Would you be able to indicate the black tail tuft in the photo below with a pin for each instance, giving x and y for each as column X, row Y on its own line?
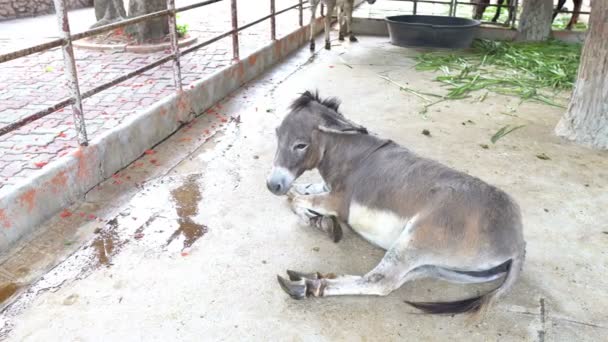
column 456, row 307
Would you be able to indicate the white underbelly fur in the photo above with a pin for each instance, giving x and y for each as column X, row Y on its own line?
column 380, row 227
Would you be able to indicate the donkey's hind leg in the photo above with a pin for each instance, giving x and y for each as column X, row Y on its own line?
column 397, row 267
column 389, row 275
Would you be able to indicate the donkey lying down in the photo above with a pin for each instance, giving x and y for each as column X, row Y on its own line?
column 432, row 221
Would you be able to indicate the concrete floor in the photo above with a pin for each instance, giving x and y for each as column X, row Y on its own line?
column 131, row 275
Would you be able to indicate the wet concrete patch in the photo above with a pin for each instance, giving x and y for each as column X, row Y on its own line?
column 187, row 198
column 106, row 245
column 7, row 290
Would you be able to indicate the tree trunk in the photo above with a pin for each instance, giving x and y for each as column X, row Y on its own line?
column 535, row 20
column 108, row 11
column 150, row 29
column 586, row 121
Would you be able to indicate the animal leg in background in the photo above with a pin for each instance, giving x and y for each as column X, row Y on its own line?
column 348, row 9
column 327, row 22
column 313, row 13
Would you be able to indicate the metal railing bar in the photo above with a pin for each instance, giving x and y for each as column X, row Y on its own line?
column 273, row 21
column 38, row 115
column 197, row 5
column 66, row 102
column 70, row 71
column 177, row 71
column 235, row 26
column 127, row 76
column 31, row 50
column 70, row 101
column 123, row 23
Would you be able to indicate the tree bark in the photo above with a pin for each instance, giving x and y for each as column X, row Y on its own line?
column 150, row 29
column 586, row 121
column 108, row 11
column 535, row 20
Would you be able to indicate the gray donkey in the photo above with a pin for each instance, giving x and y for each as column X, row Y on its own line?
column 432, row 221
column 345, row 18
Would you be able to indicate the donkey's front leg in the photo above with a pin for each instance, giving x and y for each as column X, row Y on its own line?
column 319, row 211
column 307, row 189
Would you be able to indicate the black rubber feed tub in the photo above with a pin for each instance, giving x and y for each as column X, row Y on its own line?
column 431, row 31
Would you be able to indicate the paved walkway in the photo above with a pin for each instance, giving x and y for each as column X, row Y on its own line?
column 37, row 81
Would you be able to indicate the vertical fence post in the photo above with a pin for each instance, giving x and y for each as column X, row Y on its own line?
column 235, row 32
column 70, row 71
column 177, row 71
column 415, row 7
column 273, row 21
column 301, row 13
column 515, row 8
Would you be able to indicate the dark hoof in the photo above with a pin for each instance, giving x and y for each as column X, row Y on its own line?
column 296, row 276
column 353, row 39
column 312, row 46
column 332, row 226
column 296, row 290
column 327, row 46
column 341, row 37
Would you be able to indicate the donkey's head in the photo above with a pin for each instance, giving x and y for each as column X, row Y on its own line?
column 300, row 144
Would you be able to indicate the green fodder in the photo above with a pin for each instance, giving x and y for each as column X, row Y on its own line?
column 531, row 71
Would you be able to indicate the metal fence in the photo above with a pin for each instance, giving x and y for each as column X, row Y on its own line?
column 512, row 6
column 66, row 39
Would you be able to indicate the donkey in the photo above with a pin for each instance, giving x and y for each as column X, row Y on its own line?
column 574, row 18
column 345, row 18
column 481, row 5
column 432, row 221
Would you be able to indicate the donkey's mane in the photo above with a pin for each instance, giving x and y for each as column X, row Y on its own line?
column 308, row 97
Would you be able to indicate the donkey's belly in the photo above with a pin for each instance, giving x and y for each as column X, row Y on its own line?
column 380, row 227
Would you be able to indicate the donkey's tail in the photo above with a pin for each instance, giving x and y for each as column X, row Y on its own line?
column 475, row 304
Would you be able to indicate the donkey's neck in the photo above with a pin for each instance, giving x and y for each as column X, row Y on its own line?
column 343, row 153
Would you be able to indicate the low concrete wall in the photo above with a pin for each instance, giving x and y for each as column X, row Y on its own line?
column 11, row 9
column 377, row 27
column 24, row 207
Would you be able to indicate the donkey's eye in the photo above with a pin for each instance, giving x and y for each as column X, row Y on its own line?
column 300, row 146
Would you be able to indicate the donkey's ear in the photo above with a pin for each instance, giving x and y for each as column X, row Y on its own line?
column 339, row 130
column 341, row 126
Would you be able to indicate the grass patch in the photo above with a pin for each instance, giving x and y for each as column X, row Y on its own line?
column 531, row 71
column 182, row 29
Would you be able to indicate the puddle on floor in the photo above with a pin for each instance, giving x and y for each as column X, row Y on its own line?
column 106, row 245
column 186, row 199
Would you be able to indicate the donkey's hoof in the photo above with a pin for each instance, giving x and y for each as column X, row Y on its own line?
column 296, row 290
column 327, row 46
column 353, row 39
column 312, row 46
column 296, row 276
column 341, row 37
column 331, row 225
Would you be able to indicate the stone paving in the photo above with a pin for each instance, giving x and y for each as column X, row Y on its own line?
column 37, row 81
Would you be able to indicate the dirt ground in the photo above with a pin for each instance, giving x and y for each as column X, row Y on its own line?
column 185, row 244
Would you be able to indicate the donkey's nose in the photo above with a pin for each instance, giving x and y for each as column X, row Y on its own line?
column 274, row 187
